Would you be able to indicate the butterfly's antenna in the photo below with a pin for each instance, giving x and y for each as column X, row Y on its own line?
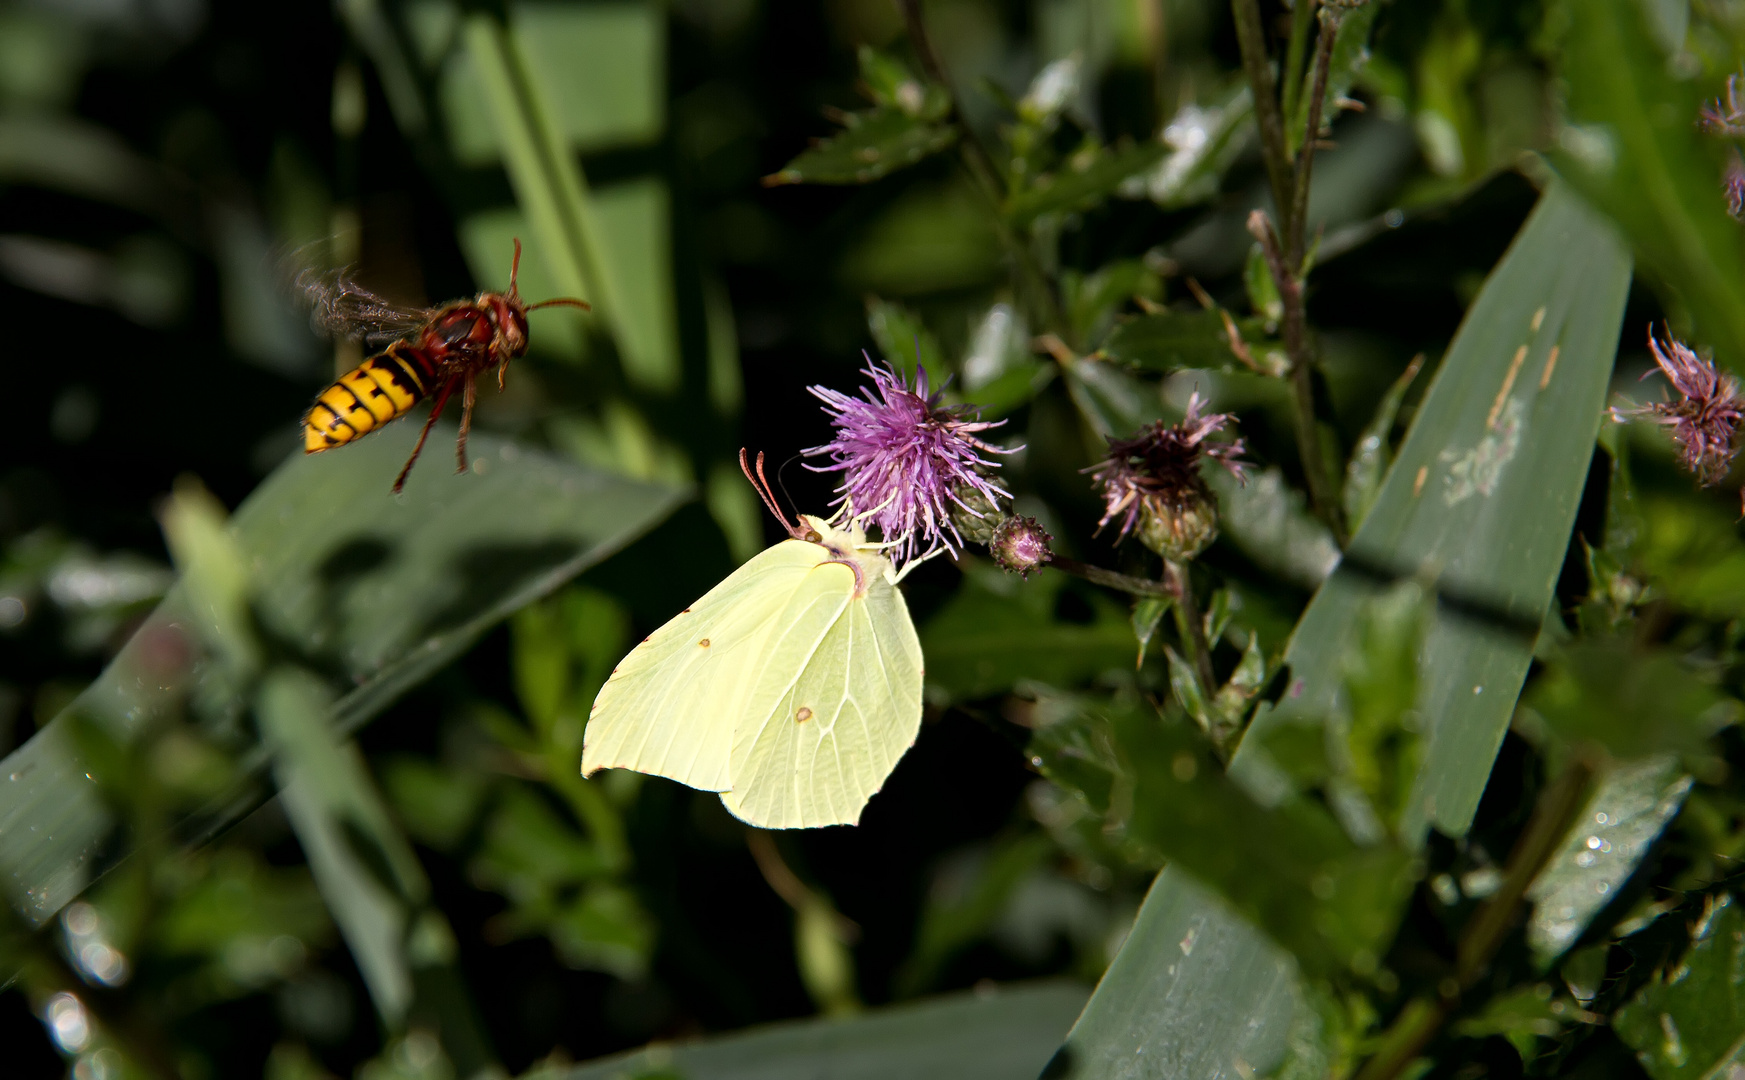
column 760, row 484
column 515, row 268
column 563, row 301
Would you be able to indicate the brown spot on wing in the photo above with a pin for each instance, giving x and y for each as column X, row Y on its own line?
column 803, row 715
column 704, row 643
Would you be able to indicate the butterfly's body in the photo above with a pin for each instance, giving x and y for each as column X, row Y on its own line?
column 791, row 688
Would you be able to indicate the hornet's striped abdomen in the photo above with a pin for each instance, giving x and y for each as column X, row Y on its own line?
column 378, row 390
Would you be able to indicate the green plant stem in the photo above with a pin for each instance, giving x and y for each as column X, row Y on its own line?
column 1110, row 579
column 1322, row 498
column 1251, row 37
column 1554, row 814
column 1284, row 250
column 980, row 164
column 1302, row 14
column 1299, row 213
column 1190, row 625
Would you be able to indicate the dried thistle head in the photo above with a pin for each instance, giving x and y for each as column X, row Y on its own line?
column 1704, row 416
column 1152, row 482
column 1726, row 114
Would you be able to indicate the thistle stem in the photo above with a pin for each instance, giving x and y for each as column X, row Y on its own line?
column 1126, row 583
column 980, row 164
column 1251, row 37
column 1285, row 248
column 1554, row 814
column 1190, row 625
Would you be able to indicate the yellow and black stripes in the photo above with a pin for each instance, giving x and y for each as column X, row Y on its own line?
column 378, row 390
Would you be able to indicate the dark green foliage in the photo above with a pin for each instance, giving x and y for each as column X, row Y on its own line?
column 1430, row 771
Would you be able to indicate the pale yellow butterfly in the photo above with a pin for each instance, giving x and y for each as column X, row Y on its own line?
column 791, row 688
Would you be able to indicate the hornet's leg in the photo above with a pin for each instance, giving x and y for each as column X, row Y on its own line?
column 468, row 398
column 435, row 412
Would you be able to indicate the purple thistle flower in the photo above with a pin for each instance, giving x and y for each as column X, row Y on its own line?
column 907, row 462
column 1705, row 415
column 1157, row 471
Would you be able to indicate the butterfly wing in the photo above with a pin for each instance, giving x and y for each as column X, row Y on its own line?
column 669, row 708
column 815, row 747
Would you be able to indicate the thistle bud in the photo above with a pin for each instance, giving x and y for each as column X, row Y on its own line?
column 1182, row 529
column 975, row 515
column 1020, row 545
column 1151, row 483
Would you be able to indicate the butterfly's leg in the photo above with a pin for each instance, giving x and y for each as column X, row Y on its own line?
column 435, row 412
column 468, row 398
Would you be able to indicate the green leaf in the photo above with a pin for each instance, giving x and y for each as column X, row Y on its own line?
column 1372, row 455
column 999, row 630
column 601, row 69
column 1084, row 180
column 1295, row 873
column 1204, row 141
column 609, row 249
column 1093, row 299
column 369, row 878
column 1691, row 552
column 1690, row 1023
column 1077, row 751
column 1170, row 341
column 1381, row 688
column 215, row 577
column 1493, row 519
column 888, row 81
column 1627, row 812
column 367, row 874
column 1350, row 53
column 1269, row 520
column 1147, row 613
column 386, row 590
column 1262, row 290
column 873, row 144
column 1185, row 685
column 1004, row 1033
column 1521, row 1016
column 1633, row 146
column 905, row 341
column 1632, row 701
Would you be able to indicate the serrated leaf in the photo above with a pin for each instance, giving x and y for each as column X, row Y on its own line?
column 876, row 143
column 1170, row 341
column 1083, row 181
column 1626, row 813
column 1690, row 1023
